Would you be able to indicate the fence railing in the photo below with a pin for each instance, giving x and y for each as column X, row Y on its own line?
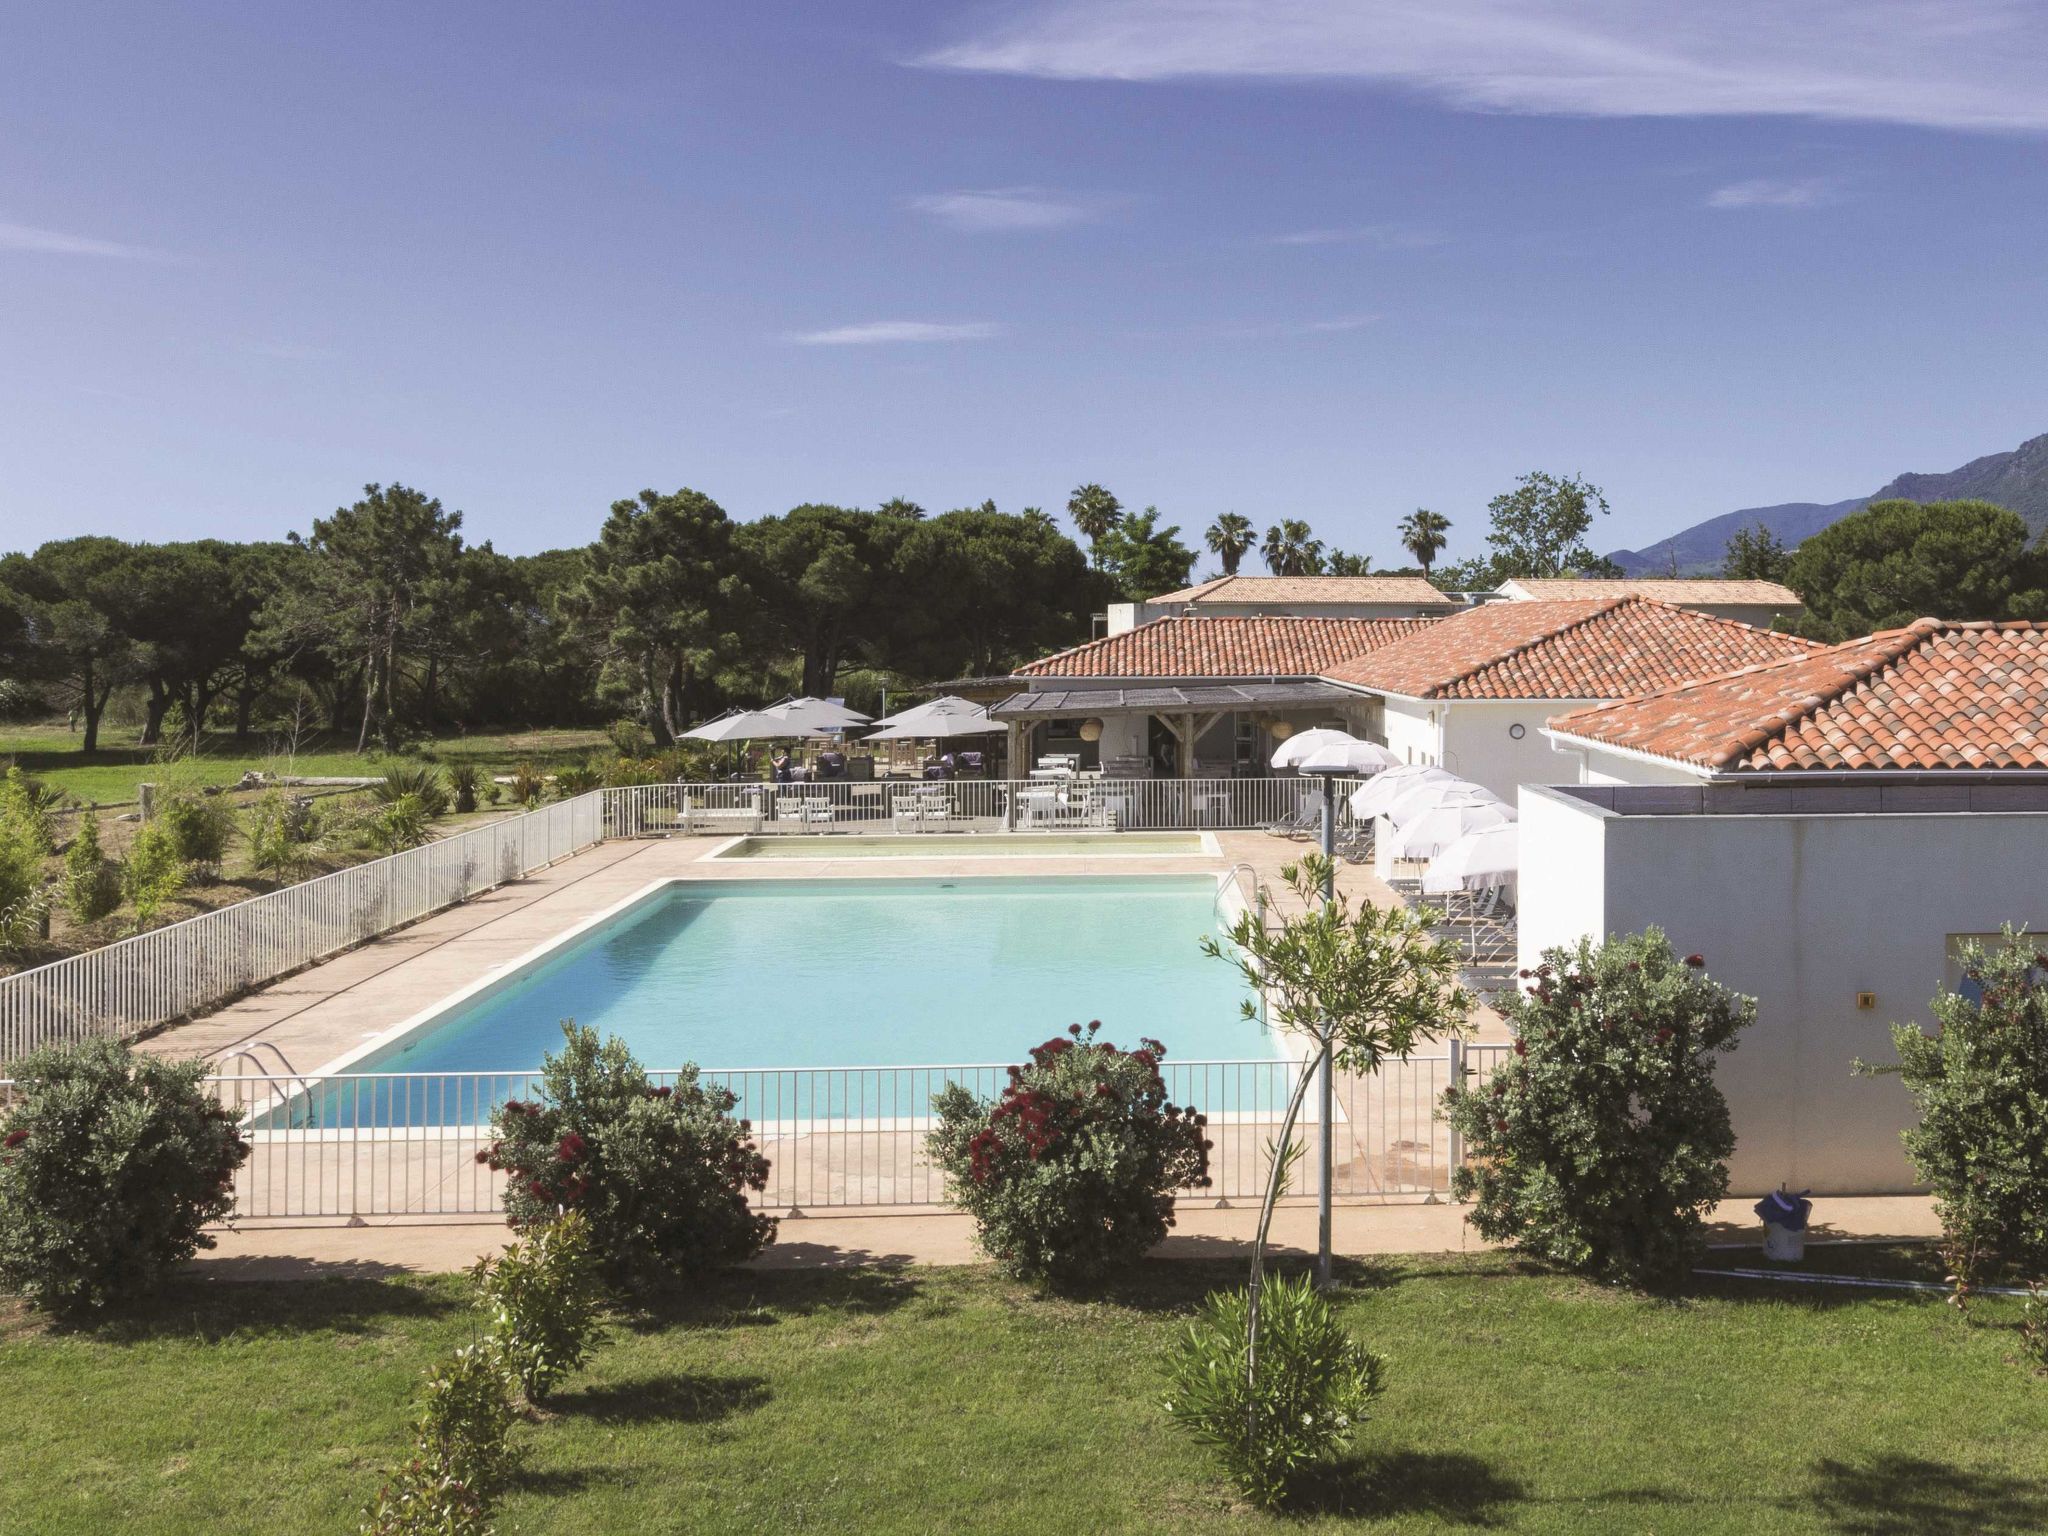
column 836, row 1138
column 1080, row 804
column 170, row 972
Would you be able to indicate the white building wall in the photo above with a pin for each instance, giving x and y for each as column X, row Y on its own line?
column 1409, row 729
column 1592, row 765
column 1480, row 743
column 1803, row 912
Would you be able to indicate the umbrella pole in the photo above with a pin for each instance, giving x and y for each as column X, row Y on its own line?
column 1326, row 1087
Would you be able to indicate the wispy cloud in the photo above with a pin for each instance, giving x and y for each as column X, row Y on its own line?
column 1768, row 193
column 881, row 332
column 1382, row 237
column 53, row 242
column 1007, row 210
column 1932, row 63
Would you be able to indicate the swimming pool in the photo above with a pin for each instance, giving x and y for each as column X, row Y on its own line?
column 971, row 845
column 811, row 974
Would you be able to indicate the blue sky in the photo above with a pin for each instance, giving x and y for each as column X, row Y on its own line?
column 1286, row 257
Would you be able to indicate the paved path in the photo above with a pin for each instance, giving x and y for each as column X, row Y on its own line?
column 402, row 1247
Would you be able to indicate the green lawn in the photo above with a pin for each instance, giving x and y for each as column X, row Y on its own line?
column 109, row 776
column 951, row 1401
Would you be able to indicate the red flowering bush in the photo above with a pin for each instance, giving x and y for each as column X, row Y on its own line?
column 660, row 1174
column 1602, row 1140
column 111, row 1164
column 1071, row 1171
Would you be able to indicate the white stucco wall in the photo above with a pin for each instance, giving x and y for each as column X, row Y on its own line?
column 1480, row 744
column 1409, row 728
column 1803, row 912
column 1591, row 765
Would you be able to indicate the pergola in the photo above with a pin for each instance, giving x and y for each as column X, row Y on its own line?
column 1185, row 710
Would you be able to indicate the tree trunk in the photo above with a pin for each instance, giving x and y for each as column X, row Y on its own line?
column 430, row 703
column 91, row 705
column 245, row 705
column 369, row 700
column 153, row 713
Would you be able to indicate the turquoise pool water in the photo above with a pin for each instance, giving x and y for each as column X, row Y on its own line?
column 851, row 973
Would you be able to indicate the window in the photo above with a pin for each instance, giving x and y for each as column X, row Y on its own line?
column 1953, row 972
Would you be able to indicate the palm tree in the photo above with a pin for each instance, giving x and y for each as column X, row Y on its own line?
column 1425, row 533
column 1290, row 549
column 1229, row 537
column 1094, row 511
column 1037, row 517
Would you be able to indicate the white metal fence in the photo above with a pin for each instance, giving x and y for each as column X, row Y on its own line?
column 170, row 973
column 167, row 973
column 841, row 1138
column 1079, row 803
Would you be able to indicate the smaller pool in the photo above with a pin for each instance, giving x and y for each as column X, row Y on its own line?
column 974, row 845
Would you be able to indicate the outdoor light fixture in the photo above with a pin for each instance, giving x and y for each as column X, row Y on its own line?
column 1091, row 730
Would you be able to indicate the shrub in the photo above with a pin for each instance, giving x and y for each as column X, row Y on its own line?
column 92, row 886
column 1312, row 1391
column 1071, row 1172
column 422, row 784
column 461, row 1451
column 623, row 772
column 400, row 825
column 22, row 902
column 113, row 1162
column 277, row 830
column 544, row 1301
column 463, row 779
column 577, row 779
column 152, row 873
column 465, row 1421
column 629, row 738
column 198, row 826
column 661, row 1173
column 421, row 1498
column 528, row 784
column 1603, row 1140
column 28, row 805
column 1980, row 1082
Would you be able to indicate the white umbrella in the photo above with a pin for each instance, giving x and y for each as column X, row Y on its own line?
column 1429, row 795
column 1435, row 829
column 755, row 725
column 1489, row 856
column 1291, row 751
column 940, row 725
column 1372, row 799
column 1348, row 758
column 824, row 714
column 946, row 704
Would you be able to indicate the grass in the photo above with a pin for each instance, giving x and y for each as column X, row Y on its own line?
column 951, row 1400
column 109, row 776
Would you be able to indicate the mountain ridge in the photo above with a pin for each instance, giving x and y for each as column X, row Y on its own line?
column 2016, row 478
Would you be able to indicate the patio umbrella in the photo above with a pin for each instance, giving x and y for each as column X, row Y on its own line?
column 1430, row 794
column 821, row 713
column 1431, row 832
column 755, row 725
column 1291, row 751
column 1372, row 799
column 1489, row 856
column 944, row 704
column 936, row 724
column 1348, row 757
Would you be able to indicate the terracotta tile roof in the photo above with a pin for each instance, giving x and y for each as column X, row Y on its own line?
column 1931, row 696
column 1225, row 647
column 1685, row 593
column 1412, row 591
column 1611, row 648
